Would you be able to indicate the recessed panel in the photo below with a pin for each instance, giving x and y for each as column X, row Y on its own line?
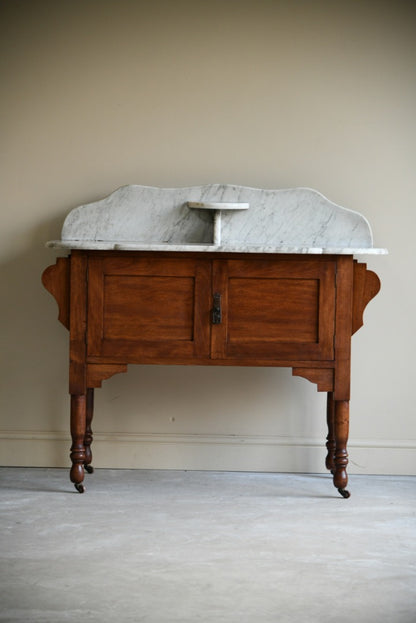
column 138, row 307
column 273, row 310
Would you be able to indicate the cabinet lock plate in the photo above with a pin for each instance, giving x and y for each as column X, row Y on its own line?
column 216, row 310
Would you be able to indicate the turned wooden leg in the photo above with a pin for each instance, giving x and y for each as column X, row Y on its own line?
column 341, row 426
column 78, row 427
column 88, row 431
column 330, row 439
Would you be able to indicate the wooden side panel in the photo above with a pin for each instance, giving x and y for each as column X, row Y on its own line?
column 366, row 286
column 56, row 280
column 95, row 303
column 343, row 326
column 78, row 323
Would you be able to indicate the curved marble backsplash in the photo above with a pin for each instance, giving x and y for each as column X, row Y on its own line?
column 292, row 220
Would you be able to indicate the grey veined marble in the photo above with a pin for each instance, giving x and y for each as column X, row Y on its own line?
column 217, row 217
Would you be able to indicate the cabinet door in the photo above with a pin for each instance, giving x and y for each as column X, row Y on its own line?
column 274, row 309
column 148, row 309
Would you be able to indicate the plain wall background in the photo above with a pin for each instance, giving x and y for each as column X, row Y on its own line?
column 274, row 94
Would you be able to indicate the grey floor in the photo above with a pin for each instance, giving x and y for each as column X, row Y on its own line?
column 169, row 546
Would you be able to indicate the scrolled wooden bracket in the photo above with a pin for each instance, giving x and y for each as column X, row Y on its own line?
column 323, row 377
column 55, row 279
column 99, row 372
column 366, row 286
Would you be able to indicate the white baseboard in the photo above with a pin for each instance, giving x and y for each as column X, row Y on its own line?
column 207, row 452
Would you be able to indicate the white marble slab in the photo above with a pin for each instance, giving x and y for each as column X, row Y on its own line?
column 112, row 245
column 299, row 220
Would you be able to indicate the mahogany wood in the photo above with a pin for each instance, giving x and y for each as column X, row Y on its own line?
column 343, row 327
column 56, row 280
column 78, row 432
column 99, row 372
column 88, row 430
column 341, row 427
column 157, row 308
column 323, row 377
column 366, row 286
column 294, row 311
column 330, row 440
column 277, row 309
column 78, row 324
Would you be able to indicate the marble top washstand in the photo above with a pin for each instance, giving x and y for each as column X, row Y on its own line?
column 217, row 218
column 228, row 304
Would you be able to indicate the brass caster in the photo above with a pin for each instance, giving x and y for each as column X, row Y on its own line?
column 79, row 487
column 344, row 493
column 89, row 469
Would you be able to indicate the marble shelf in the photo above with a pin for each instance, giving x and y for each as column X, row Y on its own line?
column 218, row 207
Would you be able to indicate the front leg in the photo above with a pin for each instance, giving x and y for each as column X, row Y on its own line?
column 330, row 440
column 88, row 431
column 78, row 428
column 341, row 428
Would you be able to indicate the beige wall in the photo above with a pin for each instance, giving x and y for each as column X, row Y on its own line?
column 97, row 94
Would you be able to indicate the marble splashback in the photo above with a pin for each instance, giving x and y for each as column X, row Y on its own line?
column 148, row 217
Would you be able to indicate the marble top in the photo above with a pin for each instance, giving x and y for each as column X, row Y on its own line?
column 244, row 220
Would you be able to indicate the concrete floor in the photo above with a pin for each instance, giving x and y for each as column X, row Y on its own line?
column 168, row 546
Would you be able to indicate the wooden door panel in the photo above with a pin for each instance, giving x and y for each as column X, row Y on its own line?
column 159, row 308
column 143, row 308
column 294, row 303
column 275, row 309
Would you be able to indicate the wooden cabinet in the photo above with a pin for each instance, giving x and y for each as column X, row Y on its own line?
column 185, row 308
column 142, row 308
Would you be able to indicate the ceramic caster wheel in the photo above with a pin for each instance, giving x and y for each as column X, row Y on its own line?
column 79, row 487
column 89, row 469
column 344, row 493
